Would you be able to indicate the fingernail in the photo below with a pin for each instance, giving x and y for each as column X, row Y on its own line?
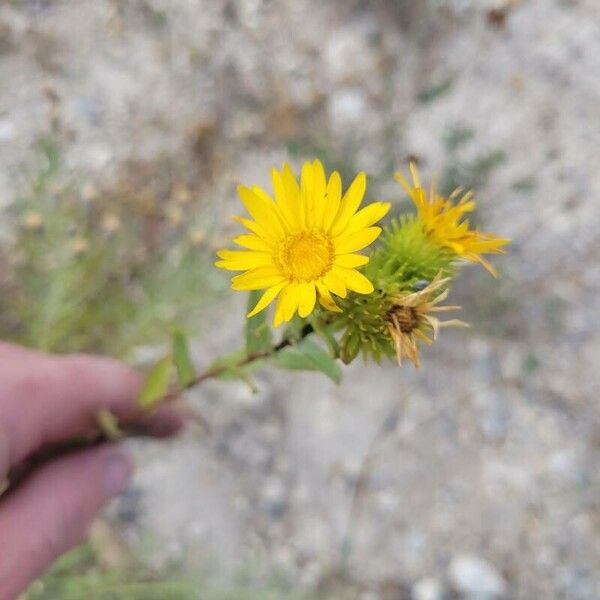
column 117, row 473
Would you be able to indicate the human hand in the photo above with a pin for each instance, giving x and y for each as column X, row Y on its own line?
column 45, row 402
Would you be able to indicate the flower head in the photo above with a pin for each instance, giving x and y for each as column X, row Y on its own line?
column 302, row 244
column 445, row 221
column 410, row 318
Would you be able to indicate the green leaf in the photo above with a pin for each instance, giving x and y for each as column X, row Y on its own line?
column 156, row 384
column 350, row 347
column 327, row 336
column 181, row 355
column 308, row 356
column 259, row 336
column 231, row 369
column 293, row 330
column 109, row 425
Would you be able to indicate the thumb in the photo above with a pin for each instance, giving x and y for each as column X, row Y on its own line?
column 52, row 511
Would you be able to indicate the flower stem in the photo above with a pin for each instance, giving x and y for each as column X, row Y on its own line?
column 216, row 371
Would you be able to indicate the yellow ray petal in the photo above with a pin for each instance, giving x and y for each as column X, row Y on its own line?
column 351, row 261
column 263, row 211
column 266, row 299
column 287, row 304
column 307, row 297
column 319, row 180
column 325, row 299
column 318, row 194
column 415, row 174
column 399, row 177
column 256, row 279
column 334, row 283
column 239, row 266
column 350, row 203
column 354, row 280
column 292, row 189
column 245, row 259
column 249, row 256
column 306, row 197
column 262, row 194
column 287, row 206
column 367, row 216
column 356, row 241
column 263, row 232
column 332, row 200
column 486, row 265
column 253, row 242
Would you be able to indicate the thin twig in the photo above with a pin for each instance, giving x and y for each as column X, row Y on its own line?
column 217, row 371
column 104, row 433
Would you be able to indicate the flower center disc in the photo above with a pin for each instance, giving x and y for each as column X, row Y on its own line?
column 306, row 256
column 406, row 317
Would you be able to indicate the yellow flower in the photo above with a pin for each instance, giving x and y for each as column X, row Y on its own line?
column 410, row 320
column 444, row 221
column 301, row 246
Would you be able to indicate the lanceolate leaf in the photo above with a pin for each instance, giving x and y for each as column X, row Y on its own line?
column 327, row 336
column 308, row 356
column 259, row 336
column 109, row 425
column 156, row 384
column 181, row 355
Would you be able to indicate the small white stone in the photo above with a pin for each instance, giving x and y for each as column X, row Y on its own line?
column 476, row 579
column 347, row 57
column 8, row 130
column 347, row 107
column 427, row 589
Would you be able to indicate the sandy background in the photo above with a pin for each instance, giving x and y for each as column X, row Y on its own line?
column 478, row 474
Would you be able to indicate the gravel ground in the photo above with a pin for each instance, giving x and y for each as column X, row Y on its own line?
column 474, row 477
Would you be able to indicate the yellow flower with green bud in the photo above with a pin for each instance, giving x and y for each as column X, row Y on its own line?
column 411, row 269
column 446, row 224
column 302, row 248
column 301, row 252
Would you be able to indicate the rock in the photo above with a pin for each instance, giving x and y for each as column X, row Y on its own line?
column 476, row 579
column 274, row 496
column 348, row 57
column 8, row 130
column 427, row 588
column 347, row 107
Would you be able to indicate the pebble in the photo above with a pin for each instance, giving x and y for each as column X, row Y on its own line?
column 8, row 130
column 347, row 107
column 427, row 588
column 476, row 579
column 274, row 495
column 347, row 57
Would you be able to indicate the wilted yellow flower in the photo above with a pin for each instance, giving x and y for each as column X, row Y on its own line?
column 301, row 246
column 444, row 221
column 110, row 223
column 32, row 220
column 410, row 319
column 174, row 214
column 79, row 245
column 197, row 236
column 181, row 194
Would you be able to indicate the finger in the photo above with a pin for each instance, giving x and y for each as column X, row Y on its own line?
column 46, row 399
column 52, row 511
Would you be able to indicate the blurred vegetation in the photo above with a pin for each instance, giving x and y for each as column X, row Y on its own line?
column 101, row 271
column 436, row 90
column 80, row 574
column 107, row 271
